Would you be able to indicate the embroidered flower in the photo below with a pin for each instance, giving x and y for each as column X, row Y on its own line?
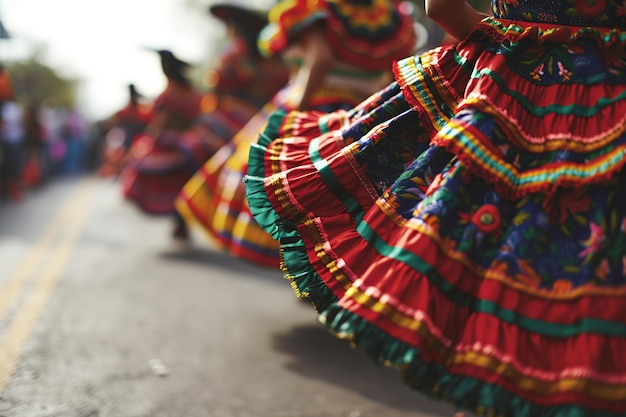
column 567, row 205
column 537, row 72
column 527, row 274
column 593, row 243
column 563, row 72
column 487, row 218
column 603, row 270
column 434, row 186
column 562, row 286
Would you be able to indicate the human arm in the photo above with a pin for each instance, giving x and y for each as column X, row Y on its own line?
column 456, row 17
column 317, row 60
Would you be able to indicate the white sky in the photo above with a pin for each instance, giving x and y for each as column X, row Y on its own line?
column 101, row 42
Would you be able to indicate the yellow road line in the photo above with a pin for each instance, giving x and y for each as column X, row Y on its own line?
column 15, row 283
column 16, row 335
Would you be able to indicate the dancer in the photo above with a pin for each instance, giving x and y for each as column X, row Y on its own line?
column 121, row 128
column 467, row 224
column 340, row 52
column 241, row 84
column 156, row 167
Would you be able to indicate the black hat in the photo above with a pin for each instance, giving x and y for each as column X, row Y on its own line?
column 239, row 15
column 172, row 66
column 249, row 22
column 133, row 93
column 170, row 60
column 3, row 32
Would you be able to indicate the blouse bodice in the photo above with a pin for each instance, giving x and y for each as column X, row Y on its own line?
column 594, row 13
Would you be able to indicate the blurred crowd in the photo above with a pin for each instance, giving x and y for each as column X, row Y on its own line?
column 38, row 142
column 43, row 140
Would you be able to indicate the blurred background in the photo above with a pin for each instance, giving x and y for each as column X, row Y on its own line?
column 83, row 54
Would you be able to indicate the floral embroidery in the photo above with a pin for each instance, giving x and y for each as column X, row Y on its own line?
column 604, row 13
column 487, row 218
column 537, row 72
column 527, row 274
column 603, row 270
column 594, row 242
column 562, row 286
column 435, row 184
column 563, row 72
column 554, row 237
column 568, row 203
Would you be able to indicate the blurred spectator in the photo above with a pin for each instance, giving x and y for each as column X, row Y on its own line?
column 34, row 147
column 74, row 135
column 53, row 119
column 6, row 94
column 6, row 85
column 12, row 149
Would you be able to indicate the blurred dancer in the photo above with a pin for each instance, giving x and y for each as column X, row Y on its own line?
column 241, row 83
column 156, row 168
column 340, row 52
column 121, row 128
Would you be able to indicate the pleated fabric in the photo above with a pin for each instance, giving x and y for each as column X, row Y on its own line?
column 466, row 224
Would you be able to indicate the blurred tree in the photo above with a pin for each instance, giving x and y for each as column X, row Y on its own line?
column 37, row 84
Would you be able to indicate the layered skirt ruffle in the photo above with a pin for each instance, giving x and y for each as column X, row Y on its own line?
column 466, row 224
column 214, row 198
column 154, row 172
column 157, row 169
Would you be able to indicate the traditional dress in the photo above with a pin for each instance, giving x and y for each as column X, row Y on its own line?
column 365, row 38
column 121, row 129
column 241, row 82
column 467, row 224
column 161, row 159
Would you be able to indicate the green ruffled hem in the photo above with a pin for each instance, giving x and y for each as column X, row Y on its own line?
column 431, row 379
column 260, row 207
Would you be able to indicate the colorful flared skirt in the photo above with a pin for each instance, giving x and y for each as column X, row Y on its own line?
column 467, row 225
column 214, row 199
column 156, row 170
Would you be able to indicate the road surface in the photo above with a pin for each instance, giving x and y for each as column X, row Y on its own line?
column 102, row 315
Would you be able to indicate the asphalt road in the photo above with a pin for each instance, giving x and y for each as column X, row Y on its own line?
column 102, row 315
